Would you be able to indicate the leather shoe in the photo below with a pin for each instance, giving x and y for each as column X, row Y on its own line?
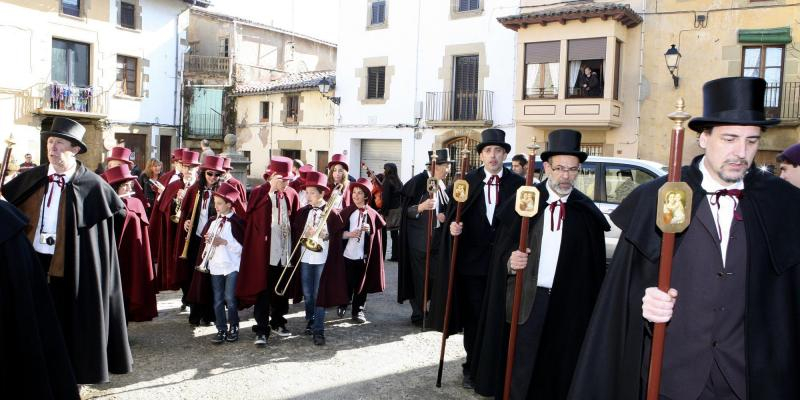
column 341, row 311
column 219, row 337
column 466, row 382
column 319, row 339
column 233, row 334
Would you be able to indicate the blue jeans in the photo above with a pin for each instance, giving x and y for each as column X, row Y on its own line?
column 224, row 287
column 310, row 275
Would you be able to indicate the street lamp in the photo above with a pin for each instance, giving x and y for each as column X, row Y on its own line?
column 672, row 57
column 324, row 87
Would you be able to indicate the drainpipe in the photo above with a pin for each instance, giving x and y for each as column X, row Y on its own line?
column 641, row 79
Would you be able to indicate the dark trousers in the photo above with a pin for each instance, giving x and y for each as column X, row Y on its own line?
column 58, row 290
column 270, row 309
column 355, row 275
column 418, row 277
column 197, row 312
column 528, row 336
column 395, row 245
column 470, row 298
column 716, row 388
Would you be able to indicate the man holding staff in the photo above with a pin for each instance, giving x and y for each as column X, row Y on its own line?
column 731, row 306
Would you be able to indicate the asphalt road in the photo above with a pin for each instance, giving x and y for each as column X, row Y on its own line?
column 386, row 358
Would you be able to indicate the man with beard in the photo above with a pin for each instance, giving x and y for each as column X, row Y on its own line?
column 564, row 267
column 71, row 214
column 732, row 306
column 413, row 232
column 490, row 188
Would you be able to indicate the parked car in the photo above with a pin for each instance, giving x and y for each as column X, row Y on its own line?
column 608, row 180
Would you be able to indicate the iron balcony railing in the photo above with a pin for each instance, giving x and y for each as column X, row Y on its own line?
column 206, row 64
column 205, row 126
column 57, row 96
column 459, row 106
column 783, row 101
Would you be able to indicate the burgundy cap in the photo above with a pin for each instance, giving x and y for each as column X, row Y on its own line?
column 227, row 192
column 190, row 158
column 279, row 165
column 304, row 170
column 317, row 180
column 791, row 155
column 177, row 154
column 227, row 165
column 214, row 163
column 363, row 184
column 118, row 174
column 338, row 159
column 120, row 154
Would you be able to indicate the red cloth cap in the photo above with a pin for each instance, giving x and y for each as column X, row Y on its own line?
column 317, row 180
column 120, row 154
column 213, row 163
column 363, row 184
column 304, row 170
column 227, row 192
column 177, row 154
column 279, row 165
column 227, row 165
column 338, row 159
column 118, row 174
column 190, row 158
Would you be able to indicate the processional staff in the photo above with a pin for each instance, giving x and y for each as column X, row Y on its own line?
column 433, row 187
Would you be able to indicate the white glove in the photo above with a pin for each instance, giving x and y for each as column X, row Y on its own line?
column 657, row 305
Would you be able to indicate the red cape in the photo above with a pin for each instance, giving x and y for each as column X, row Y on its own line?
column 165, row 236
column 375, row 281
column 252, row 278
column 333, row 282
column 135, row 264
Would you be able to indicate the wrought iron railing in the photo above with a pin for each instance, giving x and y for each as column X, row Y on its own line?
column 205, row 64
column 205, row 126
column 63, row 97
column 577, row 92
column 459, row 106
column 783, row 101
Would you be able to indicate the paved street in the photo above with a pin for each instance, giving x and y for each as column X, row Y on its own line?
column 385, row 358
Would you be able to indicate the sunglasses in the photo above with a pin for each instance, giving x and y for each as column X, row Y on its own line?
column 209, row 173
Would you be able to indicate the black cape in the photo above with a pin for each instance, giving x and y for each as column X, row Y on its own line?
column 441, row 273
column 36, row 358
column 579, row 274
column 93, row 313
column 614, row 361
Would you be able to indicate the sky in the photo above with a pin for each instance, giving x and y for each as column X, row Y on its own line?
column 316, row 18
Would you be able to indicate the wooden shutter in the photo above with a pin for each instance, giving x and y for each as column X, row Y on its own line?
column 378, row 12
column 587, row 49
column 376, row 81
column 127, row 11
column 465, row 88
column 468, row 5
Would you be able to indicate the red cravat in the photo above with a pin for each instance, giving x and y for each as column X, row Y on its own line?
column 494, row 181
column 563, row 210
column 58, row 180
column 205, row 198
column 278, row 196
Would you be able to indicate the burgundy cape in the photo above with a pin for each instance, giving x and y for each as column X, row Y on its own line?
column 333, row 282
column 136, row 266
column 154, row 229
column 163, row 234
column 200, row 290
column 375, row 281
column 138, row 193
column 181, row 270
column 252, row 278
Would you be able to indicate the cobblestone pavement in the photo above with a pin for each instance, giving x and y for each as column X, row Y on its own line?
column 386, row 358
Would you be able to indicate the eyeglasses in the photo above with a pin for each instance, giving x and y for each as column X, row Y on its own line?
column 209, row 173
column 561, row 169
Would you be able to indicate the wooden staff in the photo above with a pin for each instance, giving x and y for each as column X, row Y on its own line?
column 453, row 255
column 523, row 246
column 6, row 160
column 667, row 246
column 433, row 185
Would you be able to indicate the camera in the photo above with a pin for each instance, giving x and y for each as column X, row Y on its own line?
column 47, row 238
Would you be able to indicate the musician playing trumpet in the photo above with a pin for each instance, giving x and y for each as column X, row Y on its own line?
column 363, row 253
column 220, row 255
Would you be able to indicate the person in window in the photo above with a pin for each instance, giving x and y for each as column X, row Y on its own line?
column 588, row 83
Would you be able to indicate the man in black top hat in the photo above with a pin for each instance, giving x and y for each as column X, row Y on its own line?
column 564, row 267
column 490, row 188
column 413, row 231
column 732, row 310
column 71, row 217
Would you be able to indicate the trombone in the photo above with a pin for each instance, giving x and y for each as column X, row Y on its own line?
column 309, row 242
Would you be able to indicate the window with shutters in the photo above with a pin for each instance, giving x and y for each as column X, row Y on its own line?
column 126, row 76
column 70, row 63
column 376, row 81
column 465, row 97
column 465, row 8
column 264, row 113
column 586, row 59
column 541, row 69
column 766, row 62
column 71, row 7
column 127, row 15
column 377, row 13
column 292, row 109
column 468, row 5
column 224, row 50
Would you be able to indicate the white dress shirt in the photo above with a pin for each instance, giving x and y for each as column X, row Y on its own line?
column 226, row 258
column 48, row 210
column 354, row 249
column 723, row 216
column 203, row 212
column 551, row 241
column 174, row 176
column 312, row 257
column 279, row 245
column 490, row 190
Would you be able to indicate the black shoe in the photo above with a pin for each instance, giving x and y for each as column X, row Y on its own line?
column 195, row 322
column 416, row 322
column 308, row 327
column 233, row 334
column 282, row 331
column 319, row 339
column 359, row 318
column 218, row 338
column 341, row 311
column 183, row 307
column 466, row 382
column 261, row 340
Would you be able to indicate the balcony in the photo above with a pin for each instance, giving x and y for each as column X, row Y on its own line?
column 208, row 65
column 459, row 108
column 70, row 101
column 783, row 102
column 578, row 110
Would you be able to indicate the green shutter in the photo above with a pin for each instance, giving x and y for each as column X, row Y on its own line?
column 766, row 36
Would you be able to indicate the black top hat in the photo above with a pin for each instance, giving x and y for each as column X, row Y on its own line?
column 493, row 137
column 68, row 129
column 733, row 101
column 442, row 157
column 564, row 142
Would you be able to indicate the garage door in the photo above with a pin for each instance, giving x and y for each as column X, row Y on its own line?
column 376, row 152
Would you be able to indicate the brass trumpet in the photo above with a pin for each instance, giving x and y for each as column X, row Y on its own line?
column 187, row 181
column 309, row 243
column 209, row 250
